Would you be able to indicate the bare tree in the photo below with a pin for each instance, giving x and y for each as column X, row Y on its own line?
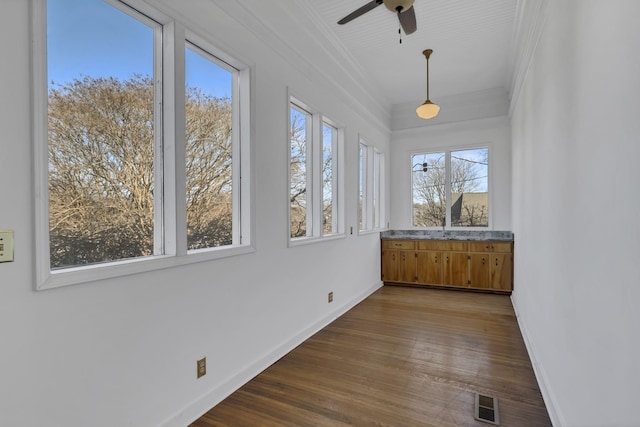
column 469, row 208
column 209, row 170
column 101, row 170
column 429, row 195
column 327, row 180
column 298, row 178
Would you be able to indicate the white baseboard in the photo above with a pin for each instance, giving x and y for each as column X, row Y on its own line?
column 203, row 404
column 541, row 376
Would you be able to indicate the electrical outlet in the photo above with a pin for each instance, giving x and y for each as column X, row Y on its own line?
column 330, row 296
column 202, row 367
column 6, row 246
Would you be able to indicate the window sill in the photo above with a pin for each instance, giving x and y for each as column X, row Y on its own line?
column 301, row 241
column 95, row 272
column 374, row 231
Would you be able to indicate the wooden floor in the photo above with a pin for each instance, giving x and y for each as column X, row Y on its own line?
column 403, row 357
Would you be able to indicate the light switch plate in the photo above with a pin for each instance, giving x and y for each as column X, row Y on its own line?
column 6, row 246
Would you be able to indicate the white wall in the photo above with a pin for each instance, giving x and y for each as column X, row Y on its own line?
column 493, row 132
column 576, row 149
column 123, row 352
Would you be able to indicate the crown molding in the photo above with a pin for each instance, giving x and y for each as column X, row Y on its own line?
column 455, row 108
column 330, row 64
column 531, row 16
column 437, row 130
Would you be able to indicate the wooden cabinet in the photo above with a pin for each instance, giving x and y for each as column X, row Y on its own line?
column 429, row 262
column 389, row 265
column 398, row 261
column 479, row 265
column 491, row 265
column 407, row 266
column 456, row 269
column 429, row 267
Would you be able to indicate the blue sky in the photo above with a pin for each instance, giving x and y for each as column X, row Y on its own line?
column 92, row 38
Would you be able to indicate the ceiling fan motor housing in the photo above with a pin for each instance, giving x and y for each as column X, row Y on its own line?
column 394, row 5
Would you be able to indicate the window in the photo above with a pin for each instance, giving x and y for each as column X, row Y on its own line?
column 329, row 181
column 209, row 138
column 362, row 199
column 371, row 203
column 314, row 174
column 108, row 146
column 102, row 135
column 299, row 178
column 451, row 188
column 376, row 198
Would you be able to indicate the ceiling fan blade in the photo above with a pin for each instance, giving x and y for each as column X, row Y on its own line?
column 361, row 11
column 408, row 20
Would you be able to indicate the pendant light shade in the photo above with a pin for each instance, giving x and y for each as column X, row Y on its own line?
column 428, row 109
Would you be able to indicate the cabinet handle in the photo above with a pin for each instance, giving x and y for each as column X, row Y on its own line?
column 447, row 260
column 435, row 259
column 482, row 261
column 496, row 262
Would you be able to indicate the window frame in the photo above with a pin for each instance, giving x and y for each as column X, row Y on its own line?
column 447, row 152
column 314, row 175
column 335, row 175
column 372, row 211
column 170, row 237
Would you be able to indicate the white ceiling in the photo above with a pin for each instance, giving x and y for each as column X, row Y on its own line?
column 471, row 42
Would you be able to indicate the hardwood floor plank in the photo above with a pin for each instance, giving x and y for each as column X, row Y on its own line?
column 403, row 357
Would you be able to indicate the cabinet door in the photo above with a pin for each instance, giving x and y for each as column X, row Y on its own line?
column 479, row 271
column 456, row 268
column 501, row 272
column 407, row 266
column 429, row 267
column 390, row 265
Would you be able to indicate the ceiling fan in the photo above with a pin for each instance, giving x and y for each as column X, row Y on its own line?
column 404, row 9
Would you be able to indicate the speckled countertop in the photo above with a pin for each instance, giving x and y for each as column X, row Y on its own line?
column 448, row 235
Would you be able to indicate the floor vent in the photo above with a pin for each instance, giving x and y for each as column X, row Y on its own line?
column 486, row 409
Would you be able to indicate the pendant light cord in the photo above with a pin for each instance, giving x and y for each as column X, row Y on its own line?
column 427, row 54
column 427, row 79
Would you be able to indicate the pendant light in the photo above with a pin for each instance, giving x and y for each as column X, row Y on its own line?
column 428, row 110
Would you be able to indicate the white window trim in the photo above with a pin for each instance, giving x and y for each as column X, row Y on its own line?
column 337, row 184
column 373, row 193
column 170, row 238
column 447, row 150
column 314, row 176
column 363, row 186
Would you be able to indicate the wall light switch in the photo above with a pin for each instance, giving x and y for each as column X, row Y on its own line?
column 6, row 246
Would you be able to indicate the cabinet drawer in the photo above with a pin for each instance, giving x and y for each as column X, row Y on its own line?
column 398, row 244
column 489, row 246
column 429, row 245
column 452, row 245
column 441, row 245
column 503, row 247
